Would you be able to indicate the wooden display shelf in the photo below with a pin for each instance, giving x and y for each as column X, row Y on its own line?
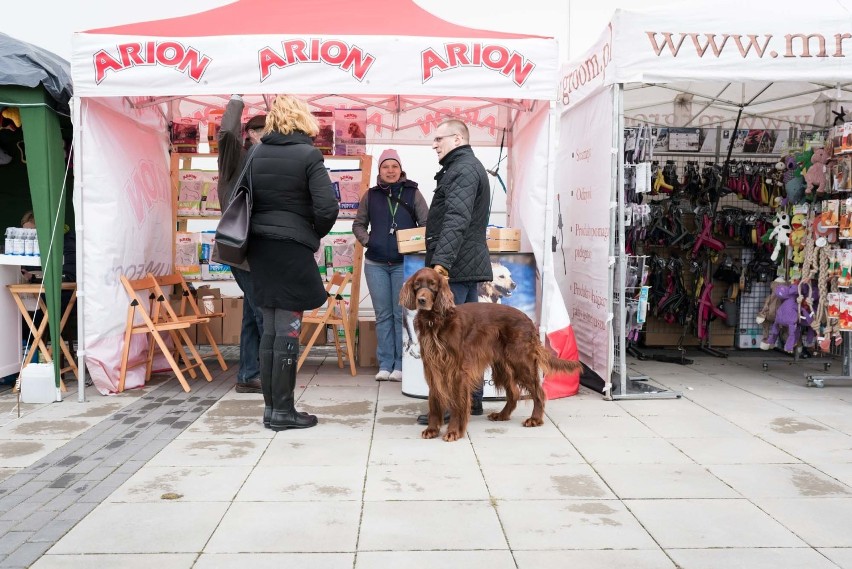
column 183, row 161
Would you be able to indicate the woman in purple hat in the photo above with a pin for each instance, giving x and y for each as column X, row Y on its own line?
column 394, row 203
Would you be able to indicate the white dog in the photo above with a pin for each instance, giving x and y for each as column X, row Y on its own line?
column 501, row 287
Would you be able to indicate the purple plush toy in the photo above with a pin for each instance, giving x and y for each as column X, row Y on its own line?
column 789, row 315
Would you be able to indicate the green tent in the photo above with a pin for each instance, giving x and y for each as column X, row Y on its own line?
column 38, row 83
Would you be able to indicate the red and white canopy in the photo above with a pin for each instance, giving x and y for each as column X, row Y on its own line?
column 302, row 47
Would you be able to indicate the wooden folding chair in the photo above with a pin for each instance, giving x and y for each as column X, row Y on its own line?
column 148, row 307
column 333, row 313
column 189, row 311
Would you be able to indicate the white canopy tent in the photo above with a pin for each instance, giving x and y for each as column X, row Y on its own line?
column 695, row 64
column 130, row 81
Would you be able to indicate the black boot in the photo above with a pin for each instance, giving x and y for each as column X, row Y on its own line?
column 266, row 377
column 284, row 414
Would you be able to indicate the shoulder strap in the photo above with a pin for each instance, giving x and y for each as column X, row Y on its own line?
column 407, row 207
column 245, row 170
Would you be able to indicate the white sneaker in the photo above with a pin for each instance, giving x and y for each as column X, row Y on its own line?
column 383, row 375
column 395, row 375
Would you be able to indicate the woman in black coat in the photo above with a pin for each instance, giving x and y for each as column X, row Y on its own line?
column 294, row 206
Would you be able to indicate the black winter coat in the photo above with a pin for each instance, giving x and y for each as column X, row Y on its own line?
column 458, row 217
column 293, row 195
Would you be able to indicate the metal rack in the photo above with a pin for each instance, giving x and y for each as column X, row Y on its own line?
column 624, row 386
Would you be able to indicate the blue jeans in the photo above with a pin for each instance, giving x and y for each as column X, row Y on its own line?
column 462, row 294
column 251, row 331
column 385, row 283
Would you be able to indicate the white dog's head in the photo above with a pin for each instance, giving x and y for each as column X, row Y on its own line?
column 502, row 286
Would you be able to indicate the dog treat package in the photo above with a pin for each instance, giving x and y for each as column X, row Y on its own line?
column 190, row 192
column 845, row 319
column 185, row 135
column 324, row 140
column 842, row 174
column 187, row 254
column 348, row 190
column 834, row 304
column 350, row 132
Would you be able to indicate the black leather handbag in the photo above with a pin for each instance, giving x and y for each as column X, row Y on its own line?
column 232, row 234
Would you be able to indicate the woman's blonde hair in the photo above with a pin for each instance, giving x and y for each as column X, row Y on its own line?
column 289, row 114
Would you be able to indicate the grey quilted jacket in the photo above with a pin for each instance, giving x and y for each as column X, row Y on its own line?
column 458, row 216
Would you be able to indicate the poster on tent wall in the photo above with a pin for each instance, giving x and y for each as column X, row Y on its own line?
column 581, row 261
column 128, row 226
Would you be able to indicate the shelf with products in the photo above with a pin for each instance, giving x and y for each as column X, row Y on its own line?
column 201, row 193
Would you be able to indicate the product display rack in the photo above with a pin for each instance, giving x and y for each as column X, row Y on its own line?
column 623, row 385
column 184, row 161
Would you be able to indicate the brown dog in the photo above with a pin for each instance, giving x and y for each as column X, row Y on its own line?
column 457, row 343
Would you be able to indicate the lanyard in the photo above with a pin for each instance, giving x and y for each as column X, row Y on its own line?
column 393, row 207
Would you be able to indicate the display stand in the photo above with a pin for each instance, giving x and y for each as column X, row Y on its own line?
column 624, row 386
column 819, row 380
column 184, row 161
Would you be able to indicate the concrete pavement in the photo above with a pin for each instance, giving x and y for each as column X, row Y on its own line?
column 750, row 469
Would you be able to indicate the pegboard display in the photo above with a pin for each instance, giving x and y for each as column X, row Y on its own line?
column 749, row 333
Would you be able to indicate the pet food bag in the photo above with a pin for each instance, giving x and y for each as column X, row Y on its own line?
column 185, row 135
column 339, row 252
column 324, row 140
column 188, row 254
column 348, row 187
column 350, row 132
column 190, row 192
column 210, row 204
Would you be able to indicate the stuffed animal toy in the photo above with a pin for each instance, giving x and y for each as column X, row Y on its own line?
column 815, row 174
column 766, row 316
column 791, row 313
column 795, row 190
column 797, row 237
column 780, row 233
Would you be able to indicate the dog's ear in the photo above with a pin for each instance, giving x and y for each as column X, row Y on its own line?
column 444, row 300
column 406, row 294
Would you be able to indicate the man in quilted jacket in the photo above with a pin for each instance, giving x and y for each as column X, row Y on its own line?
column 458, row 217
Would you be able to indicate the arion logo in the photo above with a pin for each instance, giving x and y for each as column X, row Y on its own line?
column 508, row 63
column 184, row 59
column 335, row 53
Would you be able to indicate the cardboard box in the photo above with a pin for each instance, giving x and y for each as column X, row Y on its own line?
column 411, row 240
column 215, row 324
column 192, row 331
column 307, row 331
column 503, row 239
column 367, row 343
column 232, row 321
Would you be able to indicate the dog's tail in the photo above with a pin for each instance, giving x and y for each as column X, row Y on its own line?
column 549, row 363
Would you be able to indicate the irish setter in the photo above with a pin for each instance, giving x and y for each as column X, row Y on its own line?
column 457, row 343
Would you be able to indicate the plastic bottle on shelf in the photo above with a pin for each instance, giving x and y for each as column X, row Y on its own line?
column 29, row 238
column 36, row 249
column 9, row 245
column 18, row 242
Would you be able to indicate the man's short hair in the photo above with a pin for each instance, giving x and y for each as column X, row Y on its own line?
column 458, row 127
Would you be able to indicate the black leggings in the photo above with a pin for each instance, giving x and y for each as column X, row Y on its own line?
column 281, row 328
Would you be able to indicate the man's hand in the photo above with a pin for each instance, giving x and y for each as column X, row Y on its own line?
column 442, row 271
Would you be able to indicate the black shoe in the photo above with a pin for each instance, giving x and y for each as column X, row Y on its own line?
column 476, row 407
column 251, row 386
column 424, row 419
